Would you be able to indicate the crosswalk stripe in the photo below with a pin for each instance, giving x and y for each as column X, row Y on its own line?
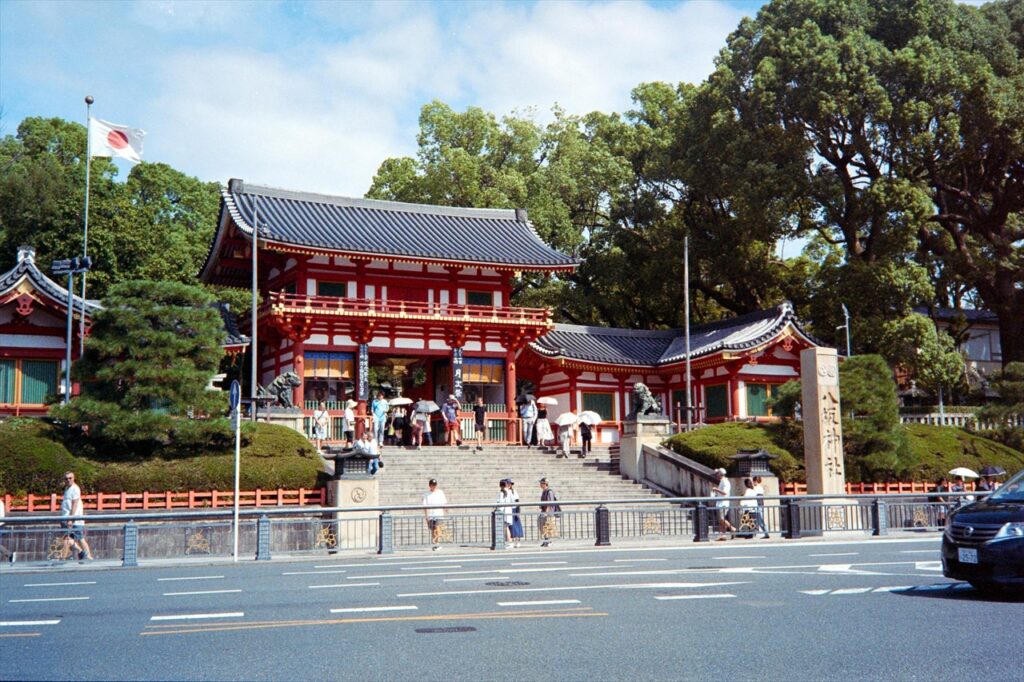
column 200, row 616
column 19, row 623
column 852, row 590
column 671, row 597
column 84, row 582
column 544, row 602
column 321, row 587
column 23, row 601
column 368, row 609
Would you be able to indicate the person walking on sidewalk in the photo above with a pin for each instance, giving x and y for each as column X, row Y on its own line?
column 759, row 494
column 71, row 505
column 546, row 520
column 528, row 413
column 504, row 509
column 518, row 533
column 586, row 436
column 434, row 501
column 723, row 489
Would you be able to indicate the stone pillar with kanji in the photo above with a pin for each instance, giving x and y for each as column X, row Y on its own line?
column 822, row 417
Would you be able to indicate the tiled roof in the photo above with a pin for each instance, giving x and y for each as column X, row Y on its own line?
column 26, row 268
column 472, row 236
column 607, row 345
column 950, row 314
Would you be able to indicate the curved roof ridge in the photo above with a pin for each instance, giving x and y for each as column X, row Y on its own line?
column 617, row 331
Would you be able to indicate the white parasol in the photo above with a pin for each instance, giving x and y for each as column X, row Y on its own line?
column 963, row 471
column 589, row 417
column 566, row 419
column 546, row 401
column 400, row 401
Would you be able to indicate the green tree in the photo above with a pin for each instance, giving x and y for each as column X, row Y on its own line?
column 1007, row 411
column 930, row 354
column 152, row 351
column 872, row 437
column 156, row 225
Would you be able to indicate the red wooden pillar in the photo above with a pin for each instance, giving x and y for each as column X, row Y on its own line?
column 298, row 366
column 734, row 393
column 511, row 432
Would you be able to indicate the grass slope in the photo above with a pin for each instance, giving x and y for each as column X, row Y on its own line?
column 34, row 459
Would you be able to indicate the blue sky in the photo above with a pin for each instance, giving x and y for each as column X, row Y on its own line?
column 313, row 96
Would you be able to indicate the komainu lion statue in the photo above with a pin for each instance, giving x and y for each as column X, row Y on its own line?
column 281, row 389
column 644, row 402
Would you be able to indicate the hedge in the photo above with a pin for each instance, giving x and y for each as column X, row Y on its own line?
column 271, row 457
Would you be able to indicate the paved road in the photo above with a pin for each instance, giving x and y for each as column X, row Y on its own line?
column 818, row 610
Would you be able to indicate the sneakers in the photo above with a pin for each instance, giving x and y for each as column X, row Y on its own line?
column 81, row 555
column 546, row 543
column 765, row 536
column 13, row 557
column 436, row 547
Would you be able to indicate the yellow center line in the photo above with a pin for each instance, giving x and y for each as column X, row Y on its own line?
column 585, row 613
column 22, row 634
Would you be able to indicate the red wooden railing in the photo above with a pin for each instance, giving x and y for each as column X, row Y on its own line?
column 191, row 499
column 279, row 301
column 890, row 488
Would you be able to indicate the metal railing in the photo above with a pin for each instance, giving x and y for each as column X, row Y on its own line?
column 266, row 532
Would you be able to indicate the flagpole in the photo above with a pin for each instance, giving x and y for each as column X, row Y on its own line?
column 252, row 342
column 85, row 230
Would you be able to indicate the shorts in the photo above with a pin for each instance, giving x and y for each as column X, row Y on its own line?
column 319, row 433
column 480, row 427
column 76, row 533
column 451, row 426
column 434, row 523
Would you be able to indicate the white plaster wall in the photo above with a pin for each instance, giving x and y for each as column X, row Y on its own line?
column 380, row 342
column 497, row 299
column 371, row 291
column 496, row 347
column 274, row 272
column 770, row 370
column 320, row 260
column 318, row 339
column 462, row 296
column 444, row 296
column 741, row 411
column 436, row 344
column 377, row 265
column 341, row 260
column 343, row 340
column 409, row 343
column 311, row 285
column 473, row 345
column 588, row 376
column 409, row 267
column 353, row 291
column 285, row 357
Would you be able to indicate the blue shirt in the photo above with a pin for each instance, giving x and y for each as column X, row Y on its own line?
column 380, row 409
column 528, row 411
column 450, row 411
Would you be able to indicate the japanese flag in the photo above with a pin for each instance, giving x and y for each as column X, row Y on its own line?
column 111, row 139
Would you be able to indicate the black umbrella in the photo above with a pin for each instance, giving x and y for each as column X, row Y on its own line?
column 993, row 471
column 525, row 398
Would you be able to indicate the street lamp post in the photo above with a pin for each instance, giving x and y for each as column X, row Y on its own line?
column 846, row 326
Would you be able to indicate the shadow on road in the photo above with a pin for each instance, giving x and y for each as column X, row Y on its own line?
column 959, row 592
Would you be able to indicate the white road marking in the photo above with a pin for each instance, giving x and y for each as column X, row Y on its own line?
column 917, row 551
column 695, row 596
column 837, row 554
column 426, row 568
column 537, row 563
column 183, row 594
column 726, row 558
column 18, row 623
column 200, row 616
column 545, row 602
column 480, row 572
column 629, row 561
column 852, row 590
column 928, row 565
column 190, row 577
column 479, row 577
column 894, row 588
column 85, row 582
column 321, row 587
column 22, row 601
column 627, row 586
column 845, row 568
column 311, row 572
column 368, row 609
column 815, row 593
column 603, row 574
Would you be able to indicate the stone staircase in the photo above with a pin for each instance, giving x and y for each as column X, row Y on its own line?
column 468, row 475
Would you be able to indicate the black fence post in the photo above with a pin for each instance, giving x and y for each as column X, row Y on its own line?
column 385, row 533
column 879, row 518
column 263, row 539
column 603, row 525
column 700, row 523
column 497, row 530
column 131, row 545
column 791, row 512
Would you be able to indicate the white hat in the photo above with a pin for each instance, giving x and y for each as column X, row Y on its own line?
column 451, row 397
column 720, row 471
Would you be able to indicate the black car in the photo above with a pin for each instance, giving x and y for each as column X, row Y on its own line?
column 984, row 541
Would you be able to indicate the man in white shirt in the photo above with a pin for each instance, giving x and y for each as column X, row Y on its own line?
column 434, row 501
column 71, row 505
column 722, row 489
column 759, row 494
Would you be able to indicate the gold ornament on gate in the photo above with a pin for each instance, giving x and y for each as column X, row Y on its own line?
column 748, row 521
column 326, row 537
column 652, row 525
column 441, row 533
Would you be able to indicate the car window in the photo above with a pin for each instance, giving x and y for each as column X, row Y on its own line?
column 1011, row 491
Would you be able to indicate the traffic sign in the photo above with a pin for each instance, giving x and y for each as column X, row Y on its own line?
column 235, row 396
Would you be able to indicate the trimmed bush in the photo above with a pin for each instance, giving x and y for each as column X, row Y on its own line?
column 935, row 450
column 271, row 457
column 712, row 445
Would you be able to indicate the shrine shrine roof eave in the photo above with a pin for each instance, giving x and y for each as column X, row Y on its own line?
column 609, row 346
column 370, row 229
column 26, row 269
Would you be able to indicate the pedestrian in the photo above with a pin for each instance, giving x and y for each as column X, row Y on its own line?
column 940, row 501
column 450, row 413
column 564, row 437
column 518, row 532
column 504, row 509
column 543, row 427
column 434, row 501
column 759, row 493
column 368, row 446
column 71, row 505
column 751, row 513
column 586, row 435
column 349, row 422
column 987, row 484
column 379, row 407
column 722, row 489
column 528, row 413
column 480, row 422
column 399, row 420
column 547, row 519
column 4, row 552
column 320, row 417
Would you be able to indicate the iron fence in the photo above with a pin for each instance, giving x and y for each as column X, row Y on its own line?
column 266, row 532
